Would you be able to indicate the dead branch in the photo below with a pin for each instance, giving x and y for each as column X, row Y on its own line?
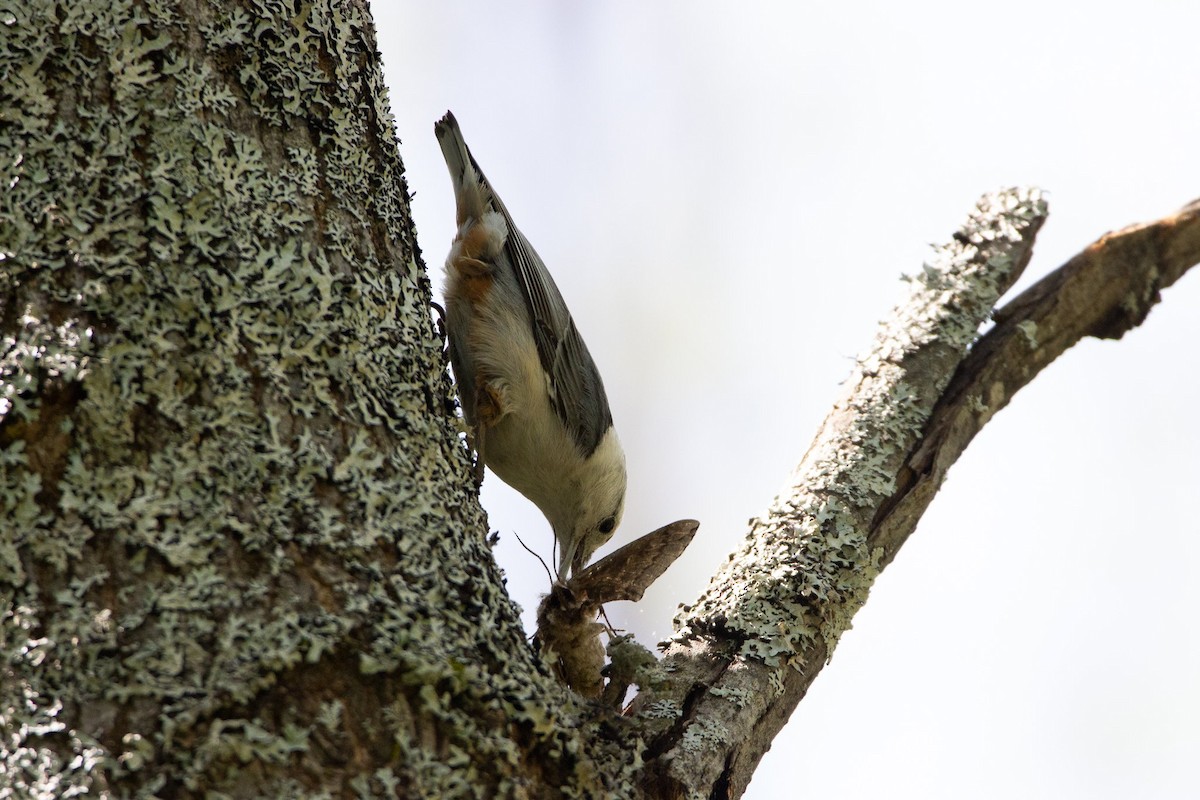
column 1102, row 292
column 745, row 654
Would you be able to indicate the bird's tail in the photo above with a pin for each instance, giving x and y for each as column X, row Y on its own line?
column 471, row 191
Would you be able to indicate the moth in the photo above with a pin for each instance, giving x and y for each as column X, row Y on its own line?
column 567, row 625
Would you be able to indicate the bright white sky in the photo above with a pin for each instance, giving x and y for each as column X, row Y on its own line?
column 727, row 195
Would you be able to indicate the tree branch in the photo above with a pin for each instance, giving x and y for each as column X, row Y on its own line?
column 1103, row 292
column 745, row 654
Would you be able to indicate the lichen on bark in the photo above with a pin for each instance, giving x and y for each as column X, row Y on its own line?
column 226, row 429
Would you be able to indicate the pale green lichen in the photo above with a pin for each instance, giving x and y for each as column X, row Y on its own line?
column 775, row 682
column 662, row 709
column 261, row 469
column 740, row 698
column 1030, row 330
column 806, row 567
column 702, row 735
column 632, row 663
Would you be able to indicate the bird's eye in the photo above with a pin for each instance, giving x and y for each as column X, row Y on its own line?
column 607, row 525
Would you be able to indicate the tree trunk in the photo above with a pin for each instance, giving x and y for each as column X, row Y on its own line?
column 241, row 553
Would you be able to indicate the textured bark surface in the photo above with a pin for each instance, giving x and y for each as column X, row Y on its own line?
column 1103, row 292
column 241, row 554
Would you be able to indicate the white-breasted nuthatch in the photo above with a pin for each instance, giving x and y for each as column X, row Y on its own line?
column 529, row 388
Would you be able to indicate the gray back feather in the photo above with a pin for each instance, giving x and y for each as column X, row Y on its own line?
column 576, row 390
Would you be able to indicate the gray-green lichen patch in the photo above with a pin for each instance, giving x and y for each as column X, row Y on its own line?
column 229, row 454
column 806, row 566
column 1030, row 330
column 662, row 709
column 705, row 733
column 632, row 662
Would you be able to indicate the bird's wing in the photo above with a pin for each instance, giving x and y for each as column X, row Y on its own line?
column 576, row 390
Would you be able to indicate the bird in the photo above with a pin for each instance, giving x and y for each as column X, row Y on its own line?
column 530, row 391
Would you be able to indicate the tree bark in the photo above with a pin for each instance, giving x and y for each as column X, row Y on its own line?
column 746, row 653
column 241, row 553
